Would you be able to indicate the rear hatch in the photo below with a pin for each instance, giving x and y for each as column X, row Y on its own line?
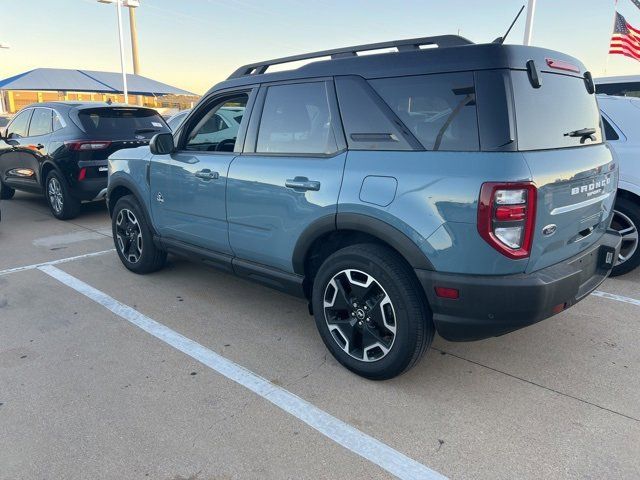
column 560, row 136
column 112, row 128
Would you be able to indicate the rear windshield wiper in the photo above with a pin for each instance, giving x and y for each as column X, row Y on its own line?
column 583, row 134
column 149, row 130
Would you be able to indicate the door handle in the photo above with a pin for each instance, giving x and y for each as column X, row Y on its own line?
column 207, row 174
column 302, row 183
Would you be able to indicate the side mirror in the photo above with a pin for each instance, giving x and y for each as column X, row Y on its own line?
column 162, row 144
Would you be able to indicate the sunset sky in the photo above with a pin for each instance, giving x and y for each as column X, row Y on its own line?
column 193, row 44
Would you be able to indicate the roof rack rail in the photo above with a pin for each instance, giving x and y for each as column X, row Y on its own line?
column 401, row 45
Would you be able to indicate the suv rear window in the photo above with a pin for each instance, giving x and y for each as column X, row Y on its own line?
column 121, row 122
column 546, row 115
column 440, row 110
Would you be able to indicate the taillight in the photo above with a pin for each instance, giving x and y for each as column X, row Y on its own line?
column 506, row 217
column 84, row 145
column 82, row 174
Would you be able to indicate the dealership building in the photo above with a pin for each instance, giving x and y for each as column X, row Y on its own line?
column 55, row 84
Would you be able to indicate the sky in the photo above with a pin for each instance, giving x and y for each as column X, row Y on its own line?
column 194, row 44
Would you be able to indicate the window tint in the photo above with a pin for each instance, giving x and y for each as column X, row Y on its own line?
column 57, row 122
column 296, row 119
column 213, row 133
column 20, row 124
column 609, row 132
column 40, row 122
column 364, row 117
column 120, row 123
column 440, row 110
column 622, row 89
column 560, row 106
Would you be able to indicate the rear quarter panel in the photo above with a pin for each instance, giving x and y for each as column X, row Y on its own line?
column 129, row 168
column 435, row 202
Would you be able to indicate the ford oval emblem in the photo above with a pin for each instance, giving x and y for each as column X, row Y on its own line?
column 549, row 230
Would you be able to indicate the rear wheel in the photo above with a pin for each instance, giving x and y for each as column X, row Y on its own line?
column 63, row 205
column 626, row 220
column 6, row 192
column 370, row 311
column 133, row 238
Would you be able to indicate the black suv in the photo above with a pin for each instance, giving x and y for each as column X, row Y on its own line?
column 61, row 149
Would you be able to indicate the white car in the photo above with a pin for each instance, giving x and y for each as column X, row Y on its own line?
column 621, row 121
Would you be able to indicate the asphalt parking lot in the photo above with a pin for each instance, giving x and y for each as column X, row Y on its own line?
column 190, row 373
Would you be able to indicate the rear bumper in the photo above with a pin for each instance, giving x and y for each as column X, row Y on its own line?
column 90, row 189
column 489, row 306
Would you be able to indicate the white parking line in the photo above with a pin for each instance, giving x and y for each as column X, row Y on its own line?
column 54, row 262
column 349, row 437
column 618, row 298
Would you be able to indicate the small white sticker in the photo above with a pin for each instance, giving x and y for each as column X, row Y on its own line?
column 156, row 124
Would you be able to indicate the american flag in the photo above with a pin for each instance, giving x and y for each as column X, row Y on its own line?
column 625, row 40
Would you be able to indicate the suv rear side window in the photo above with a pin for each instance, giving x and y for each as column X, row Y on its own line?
column 440, row 110
column 546, row 116
column 609, row 132
column 296, row 118
column 41, row 122
column 122, row 122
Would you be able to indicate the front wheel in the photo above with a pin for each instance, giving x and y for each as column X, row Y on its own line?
column 626, row 220
column 133, row 238
column 370, row 311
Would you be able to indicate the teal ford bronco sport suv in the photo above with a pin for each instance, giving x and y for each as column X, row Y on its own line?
column 464, row 189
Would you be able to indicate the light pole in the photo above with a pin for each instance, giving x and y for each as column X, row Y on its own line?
column 119, row 4
column 528, row 29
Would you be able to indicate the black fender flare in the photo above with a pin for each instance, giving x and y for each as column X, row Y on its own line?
column 130, row 185
column 359, row 223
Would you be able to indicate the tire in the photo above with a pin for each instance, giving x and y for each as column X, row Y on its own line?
column 626, row 220
column 133, row 238
column 62, row 204
column 390, row 314
column 6, row 192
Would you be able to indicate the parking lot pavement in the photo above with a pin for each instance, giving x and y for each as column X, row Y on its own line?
column 89, row 395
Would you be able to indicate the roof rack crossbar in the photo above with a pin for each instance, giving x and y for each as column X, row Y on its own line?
column 401, row 45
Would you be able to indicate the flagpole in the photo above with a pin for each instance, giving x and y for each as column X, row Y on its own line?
column 528, row 29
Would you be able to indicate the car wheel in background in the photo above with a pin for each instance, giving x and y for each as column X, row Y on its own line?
column 626, row 220
column 6, row 192
column 133, row 238
column 62, row 204
column 371, row 312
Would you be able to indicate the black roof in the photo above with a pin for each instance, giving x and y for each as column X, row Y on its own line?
column 452, row 57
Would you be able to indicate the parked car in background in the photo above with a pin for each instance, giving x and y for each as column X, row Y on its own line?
column 401, row 193
column 175, row 120
column 61, row 149
column 4, row 121
column 621, row 120
column 624, row 85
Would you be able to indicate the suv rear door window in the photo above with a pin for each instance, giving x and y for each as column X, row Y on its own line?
column 121, row 122
column 296, row 118
column 546, row 116
column 41, row 122
column 609, row 132
column 440, row 110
